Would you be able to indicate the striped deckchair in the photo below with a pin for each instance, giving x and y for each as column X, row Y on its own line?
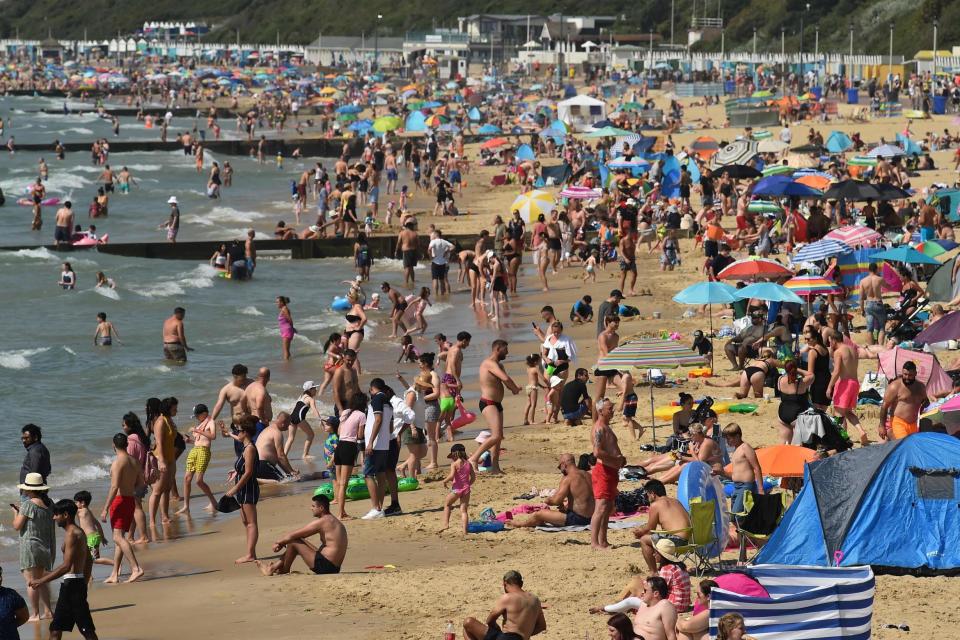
column 805, row 603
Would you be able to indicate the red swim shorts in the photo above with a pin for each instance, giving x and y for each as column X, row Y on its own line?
column 121, row 513
column 845, row 393
column 605, row 481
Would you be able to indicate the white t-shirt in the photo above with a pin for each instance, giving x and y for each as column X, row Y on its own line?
column 440, row 250
column 379, row 404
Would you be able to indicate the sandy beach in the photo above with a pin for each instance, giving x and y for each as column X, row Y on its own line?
column 193, row 589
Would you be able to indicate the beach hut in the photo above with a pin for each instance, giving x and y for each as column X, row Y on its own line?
column 813, row 603
column 892, row 506
column 581, row 112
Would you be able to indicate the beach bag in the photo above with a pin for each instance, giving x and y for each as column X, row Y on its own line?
column 151, row 471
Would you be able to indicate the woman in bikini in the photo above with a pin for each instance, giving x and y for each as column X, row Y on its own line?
column 298, row 418
column 758, row 373
column 356, row 319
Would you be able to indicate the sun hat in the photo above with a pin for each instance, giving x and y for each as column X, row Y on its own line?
column 483, row 436
column 33, row 482
column 172, row 200
column 667, row 548
column 310, row 384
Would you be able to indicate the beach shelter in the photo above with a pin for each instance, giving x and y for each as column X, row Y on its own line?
column 474, row 114
column 911, row 147
column 581, row 112
column 892, row 505
column 812, row 603
column 941, row 287
column 415, row 122
column 525, row 152
column 929, row 371
column 838, row 142
column 948, row 201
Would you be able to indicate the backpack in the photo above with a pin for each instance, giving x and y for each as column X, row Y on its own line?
column 151, row 471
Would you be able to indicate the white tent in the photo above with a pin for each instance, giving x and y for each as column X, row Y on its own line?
column 581, row 112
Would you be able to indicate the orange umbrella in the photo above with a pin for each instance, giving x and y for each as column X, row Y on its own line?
column 782, row 460
column 815, row 181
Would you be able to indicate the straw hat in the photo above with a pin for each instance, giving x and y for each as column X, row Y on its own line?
column 667, row 548
column 33, row 482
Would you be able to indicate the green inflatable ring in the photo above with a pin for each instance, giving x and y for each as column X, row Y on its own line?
column 357, row 492
column 764, row 206
column 325, row 489
column 408, row 484
column 743, row 407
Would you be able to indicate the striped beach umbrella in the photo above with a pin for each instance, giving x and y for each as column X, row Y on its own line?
column 532, row 203
column 737, row 152
column 581, row 193
column 646, row 354
column 855, row 236
column 635, row 162
column 807, row 286
column 754, row 268
column 820, row 250
column 777, row 169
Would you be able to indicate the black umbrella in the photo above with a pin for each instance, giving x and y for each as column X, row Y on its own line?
column 810, row 148
column 736, row 171
column 891, row 192
column 852, row 190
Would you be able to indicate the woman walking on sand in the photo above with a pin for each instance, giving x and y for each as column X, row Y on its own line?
column 33, row 519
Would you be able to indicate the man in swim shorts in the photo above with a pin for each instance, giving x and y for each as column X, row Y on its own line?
column 844, row 385
column 64, row 223
column 493, row 379
column 199, row 457
column 174, row 339
column 274, row 464
column 325, row 559
column 666, row 514
column 573, row 498
column 126, row 476
column 605, row 474
column 407, row 244
column 905, row 398
column 521, row 612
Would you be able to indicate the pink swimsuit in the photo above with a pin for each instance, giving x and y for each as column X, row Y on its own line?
column 286, row 328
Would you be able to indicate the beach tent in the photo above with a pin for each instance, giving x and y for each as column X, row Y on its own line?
column 474, row 114
column 557, row 174
column 812, row 603
column 941, row 287
column 929, row 371
column 909, row 146
column 948, row 202
column 854, row 266
column 838, row 142
column 892, row 505
column 581, row 112
column 415, row 122
column 525, row 152
column 569, row 91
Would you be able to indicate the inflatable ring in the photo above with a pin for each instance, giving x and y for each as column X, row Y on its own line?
column 721, row 407
column 325, row 489
column 743, row 407
column 408, row 484
column 764, row 206
column 340, row 303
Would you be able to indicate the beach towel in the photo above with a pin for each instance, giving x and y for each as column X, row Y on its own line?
column 613, row 524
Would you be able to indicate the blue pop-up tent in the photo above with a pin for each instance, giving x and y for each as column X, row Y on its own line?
column 892, row 506
column 838, row 142
column 416, row 121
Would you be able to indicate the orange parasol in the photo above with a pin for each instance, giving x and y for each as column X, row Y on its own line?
column 782, row 460
column 494, row 142
column 815, row 181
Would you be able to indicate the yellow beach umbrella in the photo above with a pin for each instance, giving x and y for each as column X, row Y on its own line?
column 533, row 203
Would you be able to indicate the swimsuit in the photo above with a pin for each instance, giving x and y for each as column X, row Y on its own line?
column 94, row 542
column 121, row 512
column 409, row 258
column 104, row 341
column 575, row 519
column 495, row 633
column 321, row 565
column 198, row 459
column 72, row 606
column 249, row 493
column 461, row 480
column 604, row 480
column 447, row 404
column 902, row 428
column 791, row 406
column 174, row 351
column 299, row 413
column 845, row 393
column 286, row 327
column 267, row 470
column 484, row 403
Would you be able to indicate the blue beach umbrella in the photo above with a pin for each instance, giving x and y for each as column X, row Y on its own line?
column 769, row 291
column 349, row 108
column 489, row 130
column 780, row 185
column 707, row 293
column 905, row 254
column 821, row 250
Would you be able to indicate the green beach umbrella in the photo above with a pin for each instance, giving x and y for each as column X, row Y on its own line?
column 387, row 123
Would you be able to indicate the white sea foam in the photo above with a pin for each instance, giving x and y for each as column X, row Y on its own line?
column 144, row 167
column 107, row 292
column 199, row 278
column 19, row 358
column 250, row 311
column 69, row 350
column 80, row 130
column 437, row 308
column 224, row 215
column 78, row 475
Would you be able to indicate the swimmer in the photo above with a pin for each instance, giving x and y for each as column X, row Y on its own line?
column 105, row 332
column 104, row 281
column 124, row 180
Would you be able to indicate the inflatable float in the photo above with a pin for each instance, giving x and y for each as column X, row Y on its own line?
column 465, row 417
column 87, row 241
column 697, row 482
column 357, row 488
column 340, row 303
column 764, row 206
column 46, row 202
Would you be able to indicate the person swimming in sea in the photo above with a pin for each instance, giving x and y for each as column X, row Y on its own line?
column 105, row 332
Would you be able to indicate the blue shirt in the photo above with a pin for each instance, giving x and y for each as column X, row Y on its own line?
column 10, row 603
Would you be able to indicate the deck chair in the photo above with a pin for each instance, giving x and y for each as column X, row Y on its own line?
column 701, row 534
column 759, row 520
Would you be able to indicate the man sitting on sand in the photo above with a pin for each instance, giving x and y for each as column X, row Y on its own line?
column 666, row 515
column 573, row 497
column 327, row 558
column 521, row 612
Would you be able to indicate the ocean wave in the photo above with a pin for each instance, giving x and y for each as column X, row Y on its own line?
column 20, row 358
column 107, row 292
column 250, row 311
column 144, row 167
column 77, row 475
column 222, row 215
column 437, row 308
column 69, row 350
column 80, row 130
column 200, row 278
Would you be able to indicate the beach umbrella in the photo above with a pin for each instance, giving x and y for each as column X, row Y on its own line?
column 646, row 354
column 736, row 171
column 813, row 180
column 931, row 249
column 737, row 152
column 636, row 162
column 708, row 293
column 905, row 254
column 777, row 169
column 348, row 109
column 436, row 120
column 851, row 190
column 533, row 203
column 606, row 132
column 581, row 193
column 820, row 250
column 768, row 291
column 809, row 286
column 945, row 411
column 885, row 151
column 762, row 94
column 890, row 192
column 783, row 460
column 770, row 145
column 754, row 268
column 489, row 130
column 855, row 236
column 784, row 186
column 946, row 328
column 387, row 123
column 705, row 146
column 493, row 143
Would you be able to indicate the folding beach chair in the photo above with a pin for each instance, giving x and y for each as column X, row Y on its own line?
column 701, row 535
column 759, row 520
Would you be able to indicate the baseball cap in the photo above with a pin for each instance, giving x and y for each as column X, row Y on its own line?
column 616, row 293
column 200, row 409
column 310, row 384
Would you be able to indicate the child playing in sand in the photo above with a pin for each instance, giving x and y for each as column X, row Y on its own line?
column 462, row 476
column 535, row 382
column 91, row 527
column 408, row 352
